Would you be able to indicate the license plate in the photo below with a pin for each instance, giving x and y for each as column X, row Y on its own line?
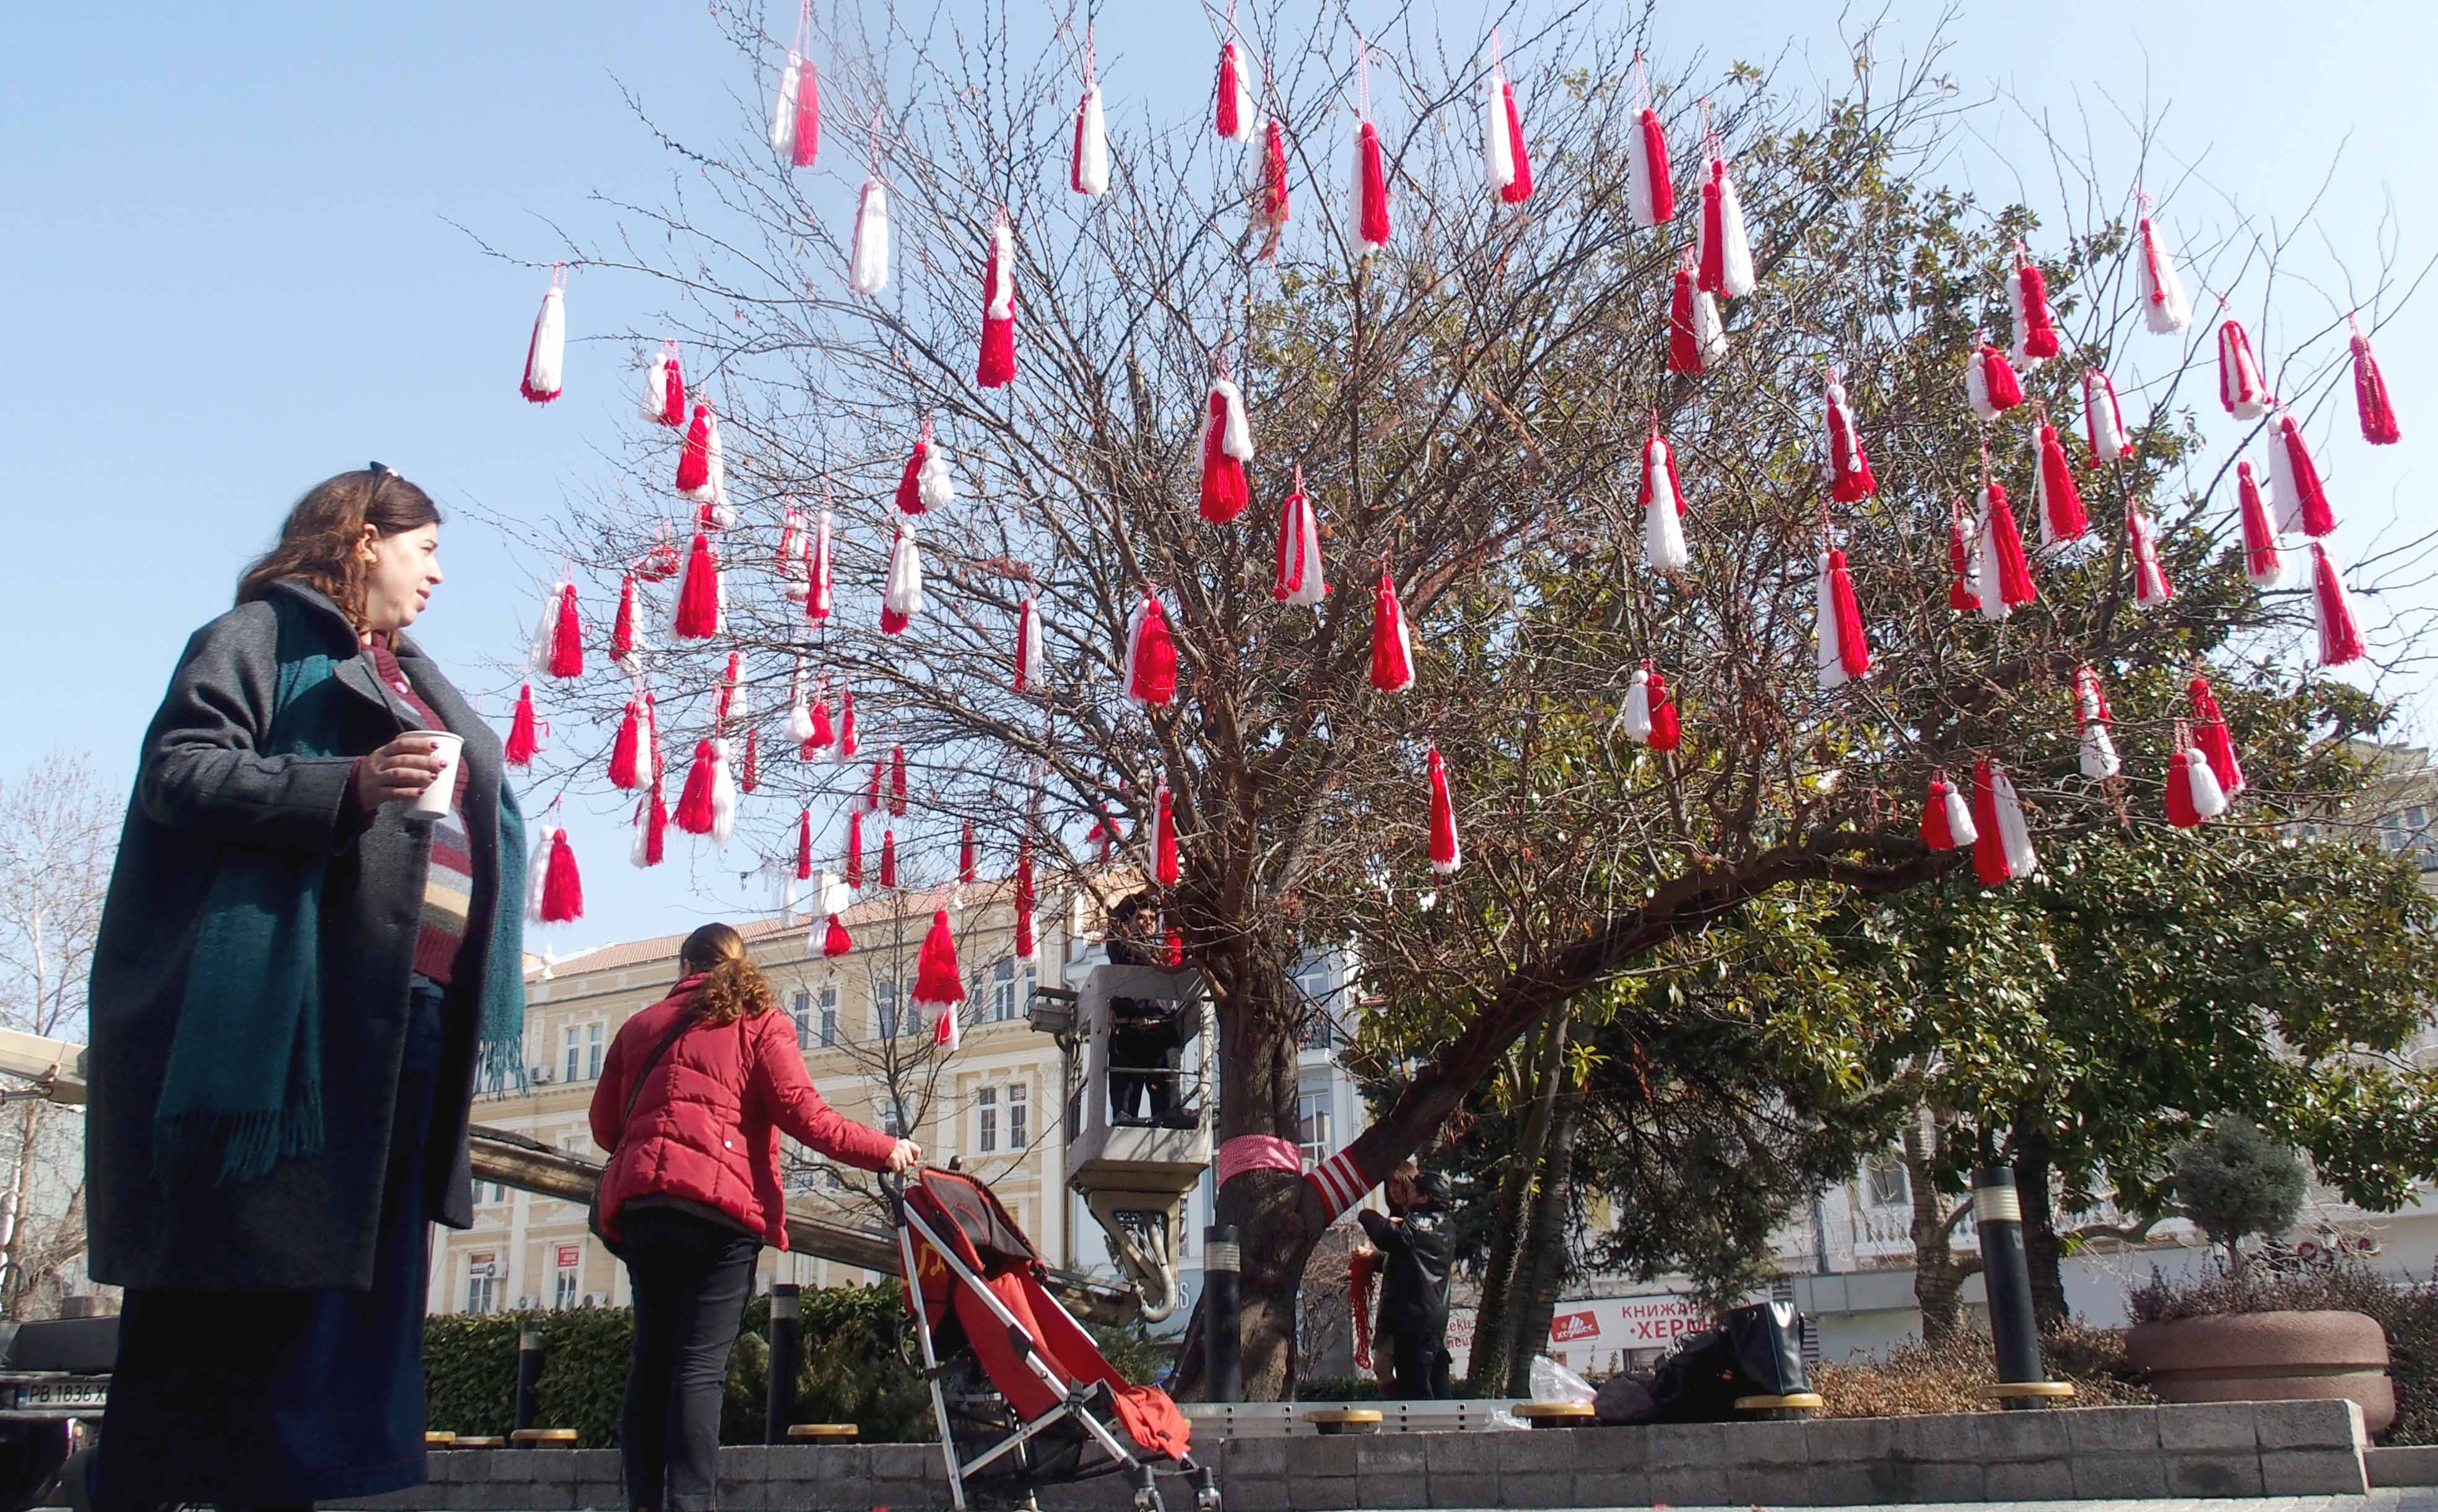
column 63, row 1394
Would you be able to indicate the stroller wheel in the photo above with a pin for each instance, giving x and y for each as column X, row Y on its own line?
column 1147, row 1499
column 1207, row 1500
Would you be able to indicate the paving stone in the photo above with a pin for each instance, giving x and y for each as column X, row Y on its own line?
column 1323, row 1454
column 1322, row 1493
column 1537, row 1451
column 1259, row 1493
column 2403, row 1465
column 1610, row 1487
column 1606, row 1450
column 1902, row 1480
column 2118, row 1477
column 1950, row 1439
column 906, row 1462
column 1536, row 1488
column 1452, row 1453
column 2311, row 1471
column 2309, row 1424
column 2218, row 1425
column 1675, row 1445
column 2026, row 1435
column 2112, row 1430
column 1393, row 1489
column 2029, row 1480
column 1770, row 1443
column 1386, row 1454
column 1688, row 1484
column 2214, row 1472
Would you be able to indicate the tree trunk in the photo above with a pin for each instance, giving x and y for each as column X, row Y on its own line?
column 1937, row 1277
column 2041, row 1250
column 1545, row 1247
column 1493, row 1322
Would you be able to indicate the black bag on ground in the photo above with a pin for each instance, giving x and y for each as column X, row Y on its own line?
column 1754, row 1351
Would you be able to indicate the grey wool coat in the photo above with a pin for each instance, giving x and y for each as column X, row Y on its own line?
column 200, row 787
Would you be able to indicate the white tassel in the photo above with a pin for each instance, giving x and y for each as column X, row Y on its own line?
column 1830, row 650
column 904, row 595
column 1497, row 150
column 2013, row 832
column 1663, row 528
column 868, row 265
column 723, row 793
column 547, row 363
column 2209, row 799
column 1736, row 265
column 1092, row 153
column 783, row 115
column 537, row 874
column 537, row 657
column 2099, row 759
column 800, row 715
column 1960, row 827
column 1249, row 114
column 1976, row 388
column 655, row 402
column 1709, row 332
column 2164, row 307
column 1236, row 438
column 2104, row 418
column 1028, row 646
column 1634, row 718
column 1313, row 587
column 1989, row 575
column 1002, row 305
column 936, row 487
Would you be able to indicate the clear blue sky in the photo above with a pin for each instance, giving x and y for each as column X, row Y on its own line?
column 231, row 272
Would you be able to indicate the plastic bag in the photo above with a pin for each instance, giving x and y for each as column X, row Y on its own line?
column 1552, row 1381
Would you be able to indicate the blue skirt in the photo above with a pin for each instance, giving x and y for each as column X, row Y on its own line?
column 240, row 1397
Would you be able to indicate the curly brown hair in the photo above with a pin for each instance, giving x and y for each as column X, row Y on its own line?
column 319, row 539
column 733, row 987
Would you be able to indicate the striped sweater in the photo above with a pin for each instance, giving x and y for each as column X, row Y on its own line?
column 448, row 887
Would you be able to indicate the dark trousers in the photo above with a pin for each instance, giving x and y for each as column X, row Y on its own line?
column 1420, row 1362
column 691, row 1278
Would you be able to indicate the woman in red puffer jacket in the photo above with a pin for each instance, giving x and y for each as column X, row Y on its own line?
column 692, row 1101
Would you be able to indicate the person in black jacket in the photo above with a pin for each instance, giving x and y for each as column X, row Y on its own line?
column 1419, row 1244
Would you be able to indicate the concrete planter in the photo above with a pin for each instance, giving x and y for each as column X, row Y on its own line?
column 2269, row 1357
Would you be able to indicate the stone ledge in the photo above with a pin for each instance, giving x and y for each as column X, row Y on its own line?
column 2403, row 1465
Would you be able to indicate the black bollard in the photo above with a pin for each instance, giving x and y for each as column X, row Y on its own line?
column 1222, row 1339
column 1998, row 1213
column 787, row 1355
column 528, row 1372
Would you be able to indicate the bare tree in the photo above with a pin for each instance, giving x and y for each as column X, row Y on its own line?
column 1468, row 409
column 56, row 837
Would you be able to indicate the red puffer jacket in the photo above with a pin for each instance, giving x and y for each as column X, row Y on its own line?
column 707, row 1121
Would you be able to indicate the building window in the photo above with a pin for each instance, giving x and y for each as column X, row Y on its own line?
column 490, row 1193
column 592, row 1053
column 1019, row 1109
column 1313, row 1121
column 801, row 1012
column 884, row 1009
column 1886, row 1181
column 829, row 1016
column 1003, row 991
column 986, row 1121
column 483, row 1282
column 1312, row 979
column 909, row 1022
column 574, row 1050
column 563, row 1291
column 893, row 1118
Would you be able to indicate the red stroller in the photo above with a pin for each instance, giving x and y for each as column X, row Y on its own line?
column 1023, row 1397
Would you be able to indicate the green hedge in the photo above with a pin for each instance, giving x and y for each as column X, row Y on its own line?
column 852, row 1372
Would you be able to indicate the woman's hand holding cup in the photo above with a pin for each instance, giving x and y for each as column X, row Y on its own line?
column 400, row 771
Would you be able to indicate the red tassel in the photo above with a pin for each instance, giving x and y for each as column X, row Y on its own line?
column 1853, row 646
column 2378, row 411
column 966, row 857
column 2263, row 563
column 1661, row 190
column 2036, row 337
column 1227, row 445
column 1988, row 847
column 1849, row 467
column 1151, row 657
column 2211, row 738
column 817, row 575
column 1392, row 649
column 749, row 775
column 523, row 739
column 2061, row 513
column 909, row 483
column 1270, row 213
column 1175, row 957
column 823, row 737
column 562, row 887
column 622, row 633
column 673, row 400
column 2181, row 812
column 873, row 791
column 694, row 460
column 854, row 867
column 694, row 804
column 1372, row 220
column 698, row 595
column 997, row 367
column 1298, row 576
column 1234, row 108
column 937, row 983
column 1960, row 594
column 847, row 742
column 888, row 857
column 724, row 706
column 1445, row 853
column 1666, row 730
column 1518, row 187
column 897, row 780
column 656, row 826
column 805, row 846
column 2341, row 639
column 1990, row 384
column 808, row 116
column 2301, row 502
column 1026, row 946
column 625, row 752
column 1165, row 867
column 566, row 637
column 1684, row 344
column 2151, row 585
column 833, row 940
column 2002, row 547
column 1946, row 820
column 2240, row 387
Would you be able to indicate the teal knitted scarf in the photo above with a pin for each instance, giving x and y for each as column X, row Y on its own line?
column 243, row 1088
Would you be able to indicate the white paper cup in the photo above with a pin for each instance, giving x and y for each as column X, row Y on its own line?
column 450, row 749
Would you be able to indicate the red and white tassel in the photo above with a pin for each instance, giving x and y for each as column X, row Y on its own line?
column 836, row 942
column 937, row 984
column 1269, row 199
column 2151, row 585
column 1446, row 854
column 2103, row 418
column 1962, row 562
column 889, row 856
column 2211, row 734
column 1371, row 218
column 546, row 353
column 1028, row 646
column 2301, row 500
column 968, row 856
column 2190, row 784
column 1298, row 579
column 2006, row 574
column 2240, row 387
column 1103, row 836
column 1665, row 731
column 2054, row 495
column 2002, row 847
column 817, row 588
column 1649, row 717
column 1166, row 869
column 625, row 631
column 867, row 265
column 1235, row 114
column 694, row 812
column 702, row 598
column 897, row 791
column 1507, row 162
column 1227, row 445
column 901, row 598
column 847, row 742
column 1725, row 248
column 525, row 733
column 783, row 109
column 651, row 827
column 2371, row 403
column 1697, row 340
column 701, row 468
column 1150, row 671
column 791, row 555
column 805, row 846
column 2332, row 611
column 728, row 701
column 1849, row 467
column 997, row 366
column 558, row 635
column 1989, row 383
column 851, row 864
column 563, row 886
column 799, row 714
column 821, row 744
column 1662, row 499
column 1392, row 640
column 1650, row 187
column 2164, row 307
column 1945, row 817
column 1844, row 647
column 626, row 749
column 2028, row 298
column 2264, row 564
column 664, row 401
column 2099, row 759
column 1088, row 166
column 749, row 773
column 1027, row 945
column 925, row 483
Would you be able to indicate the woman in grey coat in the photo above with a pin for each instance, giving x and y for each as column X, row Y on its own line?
column 298, row 981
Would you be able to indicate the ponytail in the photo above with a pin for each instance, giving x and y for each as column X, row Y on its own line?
column 733, row 987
